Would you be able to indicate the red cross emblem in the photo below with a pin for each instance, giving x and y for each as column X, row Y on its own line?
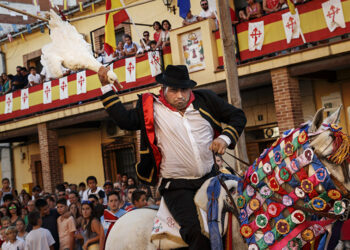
column 255, row 34
column 333, row 11
column 8, row 101
column 64, row 86
column 130, row 67
column 47, row 91
column 291, row 23
column 24, row 97
column 81, row 81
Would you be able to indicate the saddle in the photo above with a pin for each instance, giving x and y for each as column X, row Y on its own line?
column 165, row 232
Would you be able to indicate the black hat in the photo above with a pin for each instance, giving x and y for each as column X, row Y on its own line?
column 176, row 76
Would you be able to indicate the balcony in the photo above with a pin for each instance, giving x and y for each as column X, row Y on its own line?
column 48, row 96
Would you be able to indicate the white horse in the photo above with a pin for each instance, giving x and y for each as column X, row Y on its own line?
column 133, row 230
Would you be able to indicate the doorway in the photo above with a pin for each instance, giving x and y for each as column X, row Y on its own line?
column 37, row 170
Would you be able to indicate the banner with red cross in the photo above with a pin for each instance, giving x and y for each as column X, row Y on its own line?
column 154, row 63
column 291, row 24
column 333, row 14
column 81, row 82
column 47, row 93
column 63, row 85
column 130, row 69
column 24, row 99
column 8, row 103
column 256, row 35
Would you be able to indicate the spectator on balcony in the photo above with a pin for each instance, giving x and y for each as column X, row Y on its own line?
column 146, row 38
column 164, row 39
column 119, row 53
column 253, row 10
column 158, row 29
column 190, row 19
column 271, row 5
column 6, row 86
column 207, row 13
column 34, row 78
column 25, row 74
column 153, row 45
column 242, row 15
column 18, row 79
column 130, row 48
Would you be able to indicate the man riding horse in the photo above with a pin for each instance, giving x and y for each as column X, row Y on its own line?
column 181, row 129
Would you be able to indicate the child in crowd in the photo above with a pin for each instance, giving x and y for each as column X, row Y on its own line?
column 39, row 238
column 5, row 222
column 139, row 199
column 253, row 10
column 119, row 52
column 153, row 45
column 66, row 226
column 3, row 238
column 21, row 229
column 12, row 242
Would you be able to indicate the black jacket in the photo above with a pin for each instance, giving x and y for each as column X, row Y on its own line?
column 212, row 108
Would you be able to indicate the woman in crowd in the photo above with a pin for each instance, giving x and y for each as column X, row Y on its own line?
column 164, row 39
column 131, row 182
column 130, row 47
column 271, row 5
column 21, row 228
column 119, row 53
column 253, row 10
column 78, row 219
column 15, row 213
column 93, row 233
column 6, row 87
column 157, row 30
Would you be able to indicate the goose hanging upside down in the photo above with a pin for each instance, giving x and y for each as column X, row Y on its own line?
column 68, row 48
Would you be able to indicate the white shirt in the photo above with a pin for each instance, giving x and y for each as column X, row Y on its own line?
column 183, row 141
column 34, row 78
column 206, row 13
column 17, row 245
column 88, row 191
column 39, row 239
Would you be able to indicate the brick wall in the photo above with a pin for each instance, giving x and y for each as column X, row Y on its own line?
column 50, row 160
column 287, row 99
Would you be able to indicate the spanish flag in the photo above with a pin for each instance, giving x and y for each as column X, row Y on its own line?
column 112, row 20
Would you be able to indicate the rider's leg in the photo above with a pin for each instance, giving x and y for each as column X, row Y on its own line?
column 181, row 205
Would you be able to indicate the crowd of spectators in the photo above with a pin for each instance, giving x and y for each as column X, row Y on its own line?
column 128, row 48
column 73, row 217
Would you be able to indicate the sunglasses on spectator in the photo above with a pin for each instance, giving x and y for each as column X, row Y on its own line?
column 12, row 207
column 145, row 34
column 204, row 4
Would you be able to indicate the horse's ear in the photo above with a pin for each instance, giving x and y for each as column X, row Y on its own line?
column 333, row 118
column 317, row 121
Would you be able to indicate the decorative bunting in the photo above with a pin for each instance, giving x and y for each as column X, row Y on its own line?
column 24, row 99
column 35, row 3
column 1, row 28
column 47, row 94
column 154, row 63
column 93, row 7
column 81, row 6
column 29, row 29
column 8, row 103
column 333, row 14
column 81, row 82
column 65, row 7
column 63, row 88
column 291, row 24
column 130, row 69
column 52, row 4
column 14, row 26
column 256, row 35
column 22, row 36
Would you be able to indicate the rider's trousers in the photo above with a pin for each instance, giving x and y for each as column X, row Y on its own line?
column 179, row 195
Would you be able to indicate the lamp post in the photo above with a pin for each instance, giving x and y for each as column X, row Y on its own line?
column 170, row 7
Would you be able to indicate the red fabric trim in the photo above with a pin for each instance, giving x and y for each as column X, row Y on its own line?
column 147, row 106
column 168, row 105
column 229, row 238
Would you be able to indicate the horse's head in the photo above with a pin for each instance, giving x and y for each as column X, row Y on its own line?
column 331, row 145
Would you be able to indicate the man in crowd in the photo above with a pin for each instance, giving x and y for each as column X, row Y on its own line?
column 93, row 188
column 73, row 198
column 207, row 13
column 82, row 188
column 113, row 213
column 108, row 187
column 139, row 199
column 177, row 136
column 36, row 192
column 66, row 226
column 34, row 78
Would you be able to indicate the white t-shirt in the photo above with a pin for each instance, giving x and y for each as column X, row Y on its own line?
column 88, row 191
column 34, row 78
column 39, row 239
column 206, row 13
column 17, row 245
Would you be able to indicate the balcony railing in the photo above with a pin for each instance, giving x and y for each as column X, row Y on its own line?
column 67, row 91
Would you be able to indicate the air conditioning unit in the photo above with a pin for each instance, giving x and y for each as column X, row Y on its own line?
column 112, row 130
